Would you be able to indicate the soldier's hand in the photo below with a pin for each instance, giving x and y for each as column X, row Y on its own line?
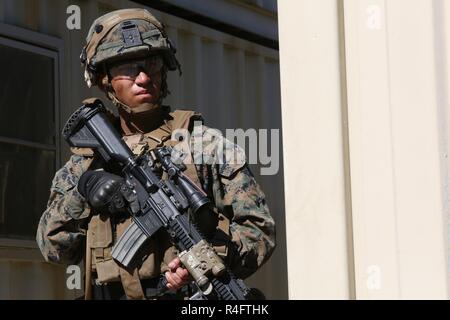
column 106, row 192
column 177, row 277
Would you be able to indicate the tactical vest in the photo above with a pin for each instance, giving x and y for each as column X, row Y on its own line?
column 102, row 234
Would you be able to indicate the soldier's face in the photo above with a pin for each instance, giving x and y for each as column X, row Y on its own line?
column 137, row 82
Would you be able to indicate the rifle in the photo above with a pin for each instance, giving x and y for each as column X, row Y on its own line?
column 162, row 205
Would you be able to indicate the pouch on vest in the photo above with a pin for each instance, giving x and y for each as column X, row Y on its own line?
column 101, row 238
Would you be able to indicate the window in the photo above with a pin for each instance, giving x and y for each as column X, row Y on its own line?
column 28, row 134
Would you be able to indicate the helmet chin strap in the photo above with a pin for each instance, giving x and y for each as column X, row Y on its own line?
column 141, row 119
column 145, row 107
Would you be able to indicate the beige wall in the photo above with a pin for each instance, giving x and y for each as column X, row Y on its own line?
column 234, row 83
column 365, row 123
column 23, row 274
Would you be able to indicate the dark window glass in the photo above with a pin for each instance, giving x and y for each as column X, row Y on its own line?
column 25, row 176
column 26, row 96
column 27, row 123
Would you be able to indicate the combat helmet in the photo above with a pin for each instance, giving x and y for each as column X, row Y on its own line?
column 125, row 34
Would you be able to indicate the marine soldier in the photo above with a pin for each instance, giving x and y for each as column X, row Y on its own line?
column 128, row 55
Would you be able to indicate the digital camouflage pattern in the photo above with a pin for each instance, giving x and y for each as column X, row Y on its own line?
column 231, row 186
column 62, row 228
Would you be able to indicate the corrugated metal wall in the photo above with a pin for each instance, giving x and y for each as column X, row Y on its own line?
column 24, row 275
column 233, row 82
column 367, row 205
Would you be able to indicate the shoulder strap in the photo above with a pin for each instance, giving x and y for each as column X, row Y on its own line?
column 85, row 152
column 184, row 119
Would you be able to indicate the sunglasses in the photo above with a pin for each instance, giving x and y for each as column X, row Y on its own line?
column 131, row 70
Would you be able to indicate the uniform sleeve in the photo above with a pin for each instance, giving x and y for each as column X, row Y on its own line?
column 60, row 234
column 251, row 233
column 252, row 228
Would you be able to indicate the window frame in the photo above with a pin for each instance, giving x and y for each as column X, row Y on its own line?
column 52, row 47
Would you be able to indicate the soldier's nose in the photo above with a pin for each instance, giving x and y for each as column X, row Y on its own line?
column 142, row 78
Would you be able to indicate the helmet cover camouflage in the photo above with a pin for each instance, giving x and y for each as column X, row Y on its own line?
column 125, row 34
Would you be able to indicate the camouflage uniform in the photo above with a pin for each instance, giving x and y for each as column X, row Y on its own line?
column 61, row 234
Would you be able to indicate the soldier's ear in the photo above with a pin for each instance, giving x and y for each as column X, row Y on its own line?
column 104, row 82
